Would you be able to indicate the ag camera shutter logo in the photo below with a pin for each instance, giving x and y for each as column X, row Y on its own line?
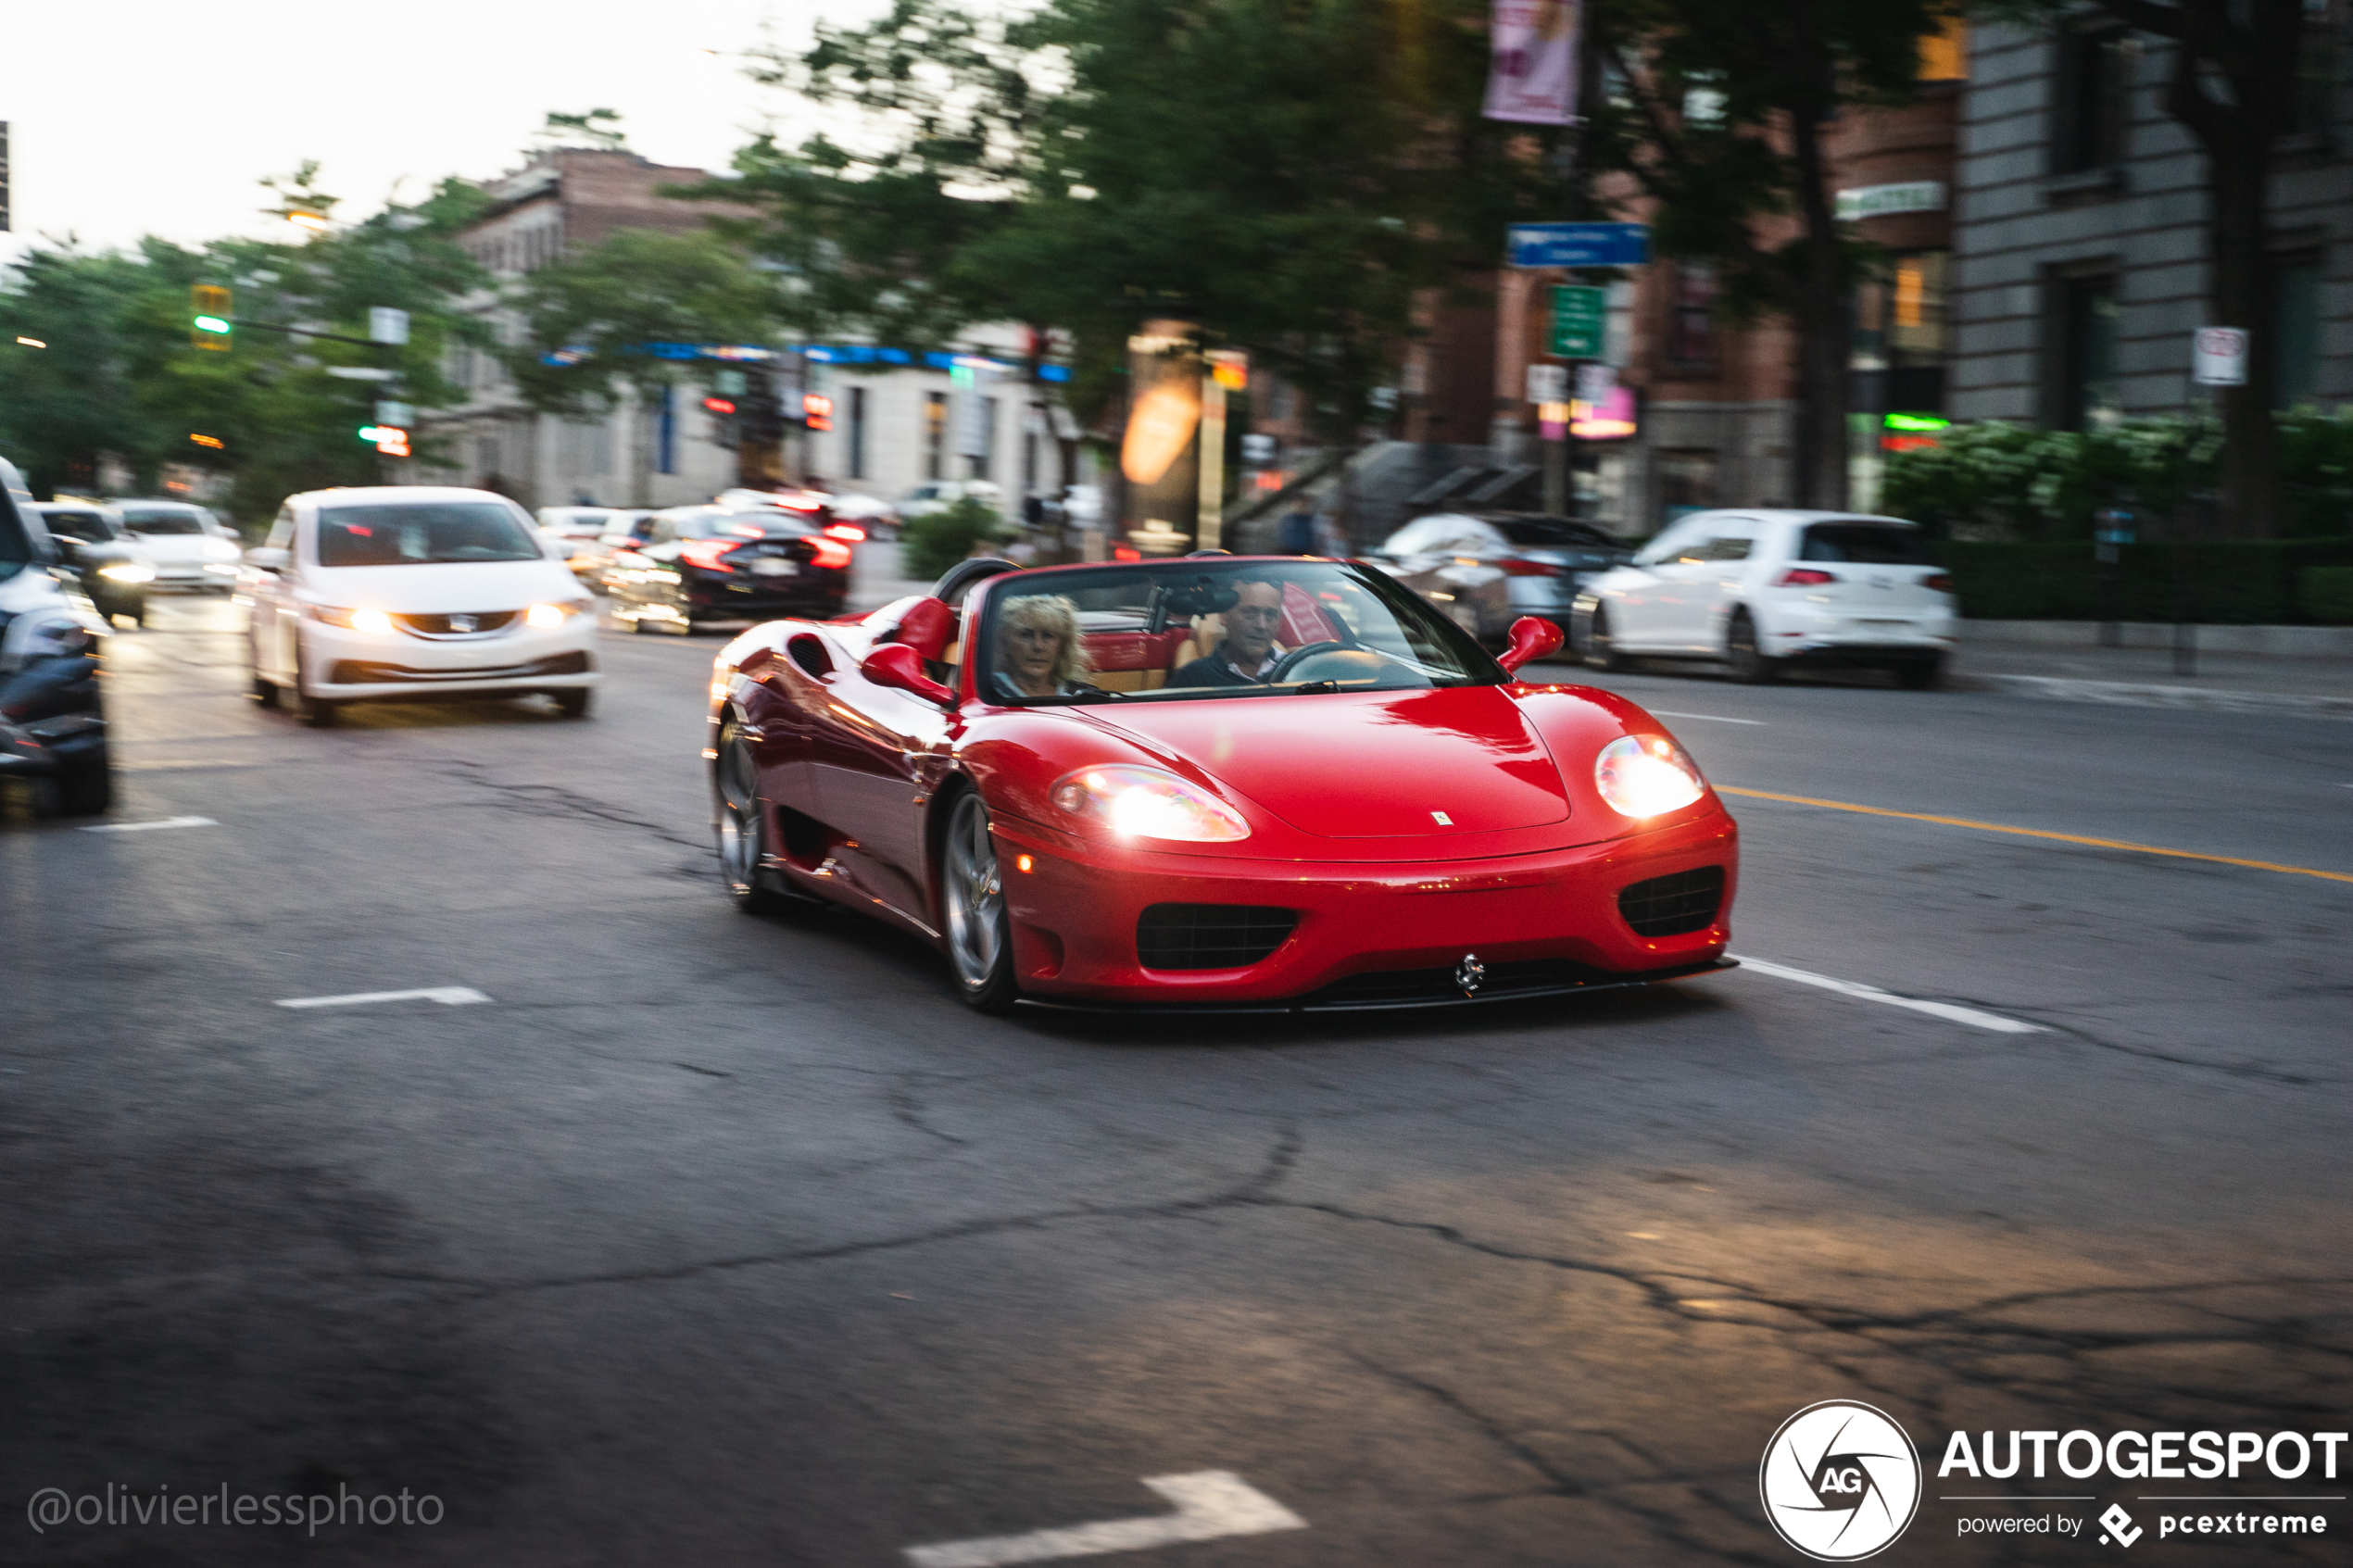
column 1840, row 1481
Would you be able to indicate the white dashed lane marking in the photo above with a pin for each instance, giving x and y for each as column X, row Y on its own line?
column 1711, row 718
column 452, row 996
column 1970, row 1016
column 160, row 823
column 1210, row 1505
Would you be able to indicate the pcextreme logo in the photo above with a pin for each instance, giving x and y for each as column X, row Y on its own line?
column 1840, row 1481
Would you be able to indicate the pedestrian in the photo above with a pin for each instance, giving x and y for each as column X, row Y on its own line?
column 1295, row 535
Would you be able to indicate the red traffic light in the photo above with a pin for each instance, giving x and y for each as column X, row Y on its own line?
column 719, row 405
column 818, row 410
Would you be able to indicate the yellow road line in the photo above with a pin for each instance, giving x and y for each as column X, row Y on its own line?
column 2034, row 832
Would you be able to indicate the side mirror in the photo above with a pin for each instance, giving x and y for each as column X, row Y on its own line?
column 900, row 668
column 1531, row 639
column 269, row 558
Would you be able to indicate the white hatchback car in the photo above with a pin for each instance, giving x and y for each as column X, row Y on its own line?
column 1765, row 590
column 365, row 595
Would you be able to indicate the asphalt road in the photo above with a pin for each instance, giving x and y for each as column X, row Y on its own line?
column 711, row 1239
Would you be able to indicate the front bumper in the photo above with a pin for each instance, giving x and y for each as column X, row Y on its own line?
column 218, row 575
column 1547, row 922
column 341, row 665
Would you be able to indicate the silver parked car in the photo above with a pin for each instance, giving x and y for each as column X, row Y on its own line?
column 1484, row 571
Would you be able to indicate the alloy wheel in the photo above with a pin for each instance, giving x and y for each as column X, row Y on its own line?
column 973, row 891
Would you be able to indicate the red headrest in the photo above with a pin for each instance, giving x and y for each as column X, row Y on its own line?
column 927, row 628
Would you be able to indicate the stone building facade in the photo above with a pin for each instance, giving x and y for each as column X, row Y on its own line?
column 2080, row 243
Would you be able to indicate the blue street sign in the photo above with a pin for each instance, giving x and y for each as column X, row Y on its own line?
column 1579, row 244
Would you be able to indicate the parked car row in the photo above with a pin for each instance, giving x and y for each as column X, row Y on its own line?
column 1763, row 591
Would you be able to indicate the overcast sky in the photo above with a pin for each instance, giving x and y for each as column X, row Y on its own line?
column 130, row 117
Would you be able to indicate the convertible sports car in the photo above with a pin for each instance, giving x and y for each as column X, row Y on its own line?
column 1214, row 782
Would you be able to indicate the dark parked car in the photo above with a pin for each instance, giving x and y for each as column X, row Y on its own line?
column 698, row 564
column 52, row 732
column 1485, row 570
column 101, row 554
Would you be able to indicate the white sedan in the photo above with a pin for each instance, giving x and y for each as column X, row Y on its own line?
column 1765, row 590
column 366, row 595
column 186, row 545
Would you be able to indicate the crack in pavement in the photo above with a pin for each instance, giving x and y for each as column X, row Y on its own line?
column 554, row 800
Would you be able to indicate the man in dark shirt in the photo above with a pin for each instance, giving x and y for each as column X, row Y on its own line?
column 1247, row 653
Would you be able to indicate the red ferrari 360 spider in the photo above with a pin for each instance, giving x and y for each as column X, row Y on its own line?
column 1218, row 781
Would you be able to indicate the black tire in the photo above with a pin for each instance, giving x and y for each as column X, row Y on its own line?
column 83, row 786
column 1920, row 674
column 1601, row 648
column 741, row 826
column 266, row 692
column 972, row 896
column 1750, row 664
column 576, row 702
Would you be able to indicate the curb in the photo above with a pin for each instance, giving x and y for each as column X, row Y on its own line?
column 2058, row 688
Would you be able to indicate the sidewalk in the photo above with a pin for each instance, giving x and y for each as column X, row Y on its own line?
column 2144, row 677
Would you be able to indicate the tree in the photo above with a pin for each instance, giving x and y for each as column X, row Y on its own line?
column 598, row 127
column 594, row 326
column 1716, row 112
column 1292, row 175
column 121, row 377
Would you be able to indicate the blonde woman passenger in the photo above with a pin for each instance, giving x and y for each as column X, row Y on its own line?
column 1039, row 654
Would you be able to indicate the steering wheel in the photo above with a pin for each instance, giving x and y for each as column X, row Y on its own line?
column 1300, row 655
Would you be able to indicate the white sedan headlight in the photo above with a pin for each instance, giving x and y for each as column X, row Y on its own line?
column 220, row 549
column 1646, row 776
column 128, row 571
column 1138, row 802
column 374, row 621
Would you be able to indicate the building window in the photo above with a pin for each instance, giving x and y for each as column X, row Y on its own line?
column 666, row 432
column 984, row 460
column 2295, row 331
column 1686, row 484
column 857, row 433
column 2094, row 79
column 1028, row 462
column 1690, row 328
column 2088, row 396
column 934, row 435
column 1944, row 53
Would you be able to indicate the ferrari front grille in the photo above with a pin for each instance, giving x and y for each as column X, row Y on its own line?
column 1210, row 935
column 1670, row 905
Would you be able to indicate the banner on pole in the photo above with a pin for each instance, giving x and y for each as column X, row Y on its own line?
column 1532, row 75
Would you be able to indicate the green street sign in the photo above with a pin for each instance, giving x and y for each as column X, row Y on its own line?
column 1579, row 311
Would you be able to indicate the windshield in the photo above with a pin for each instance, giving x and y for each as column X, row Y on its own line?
column 1190, row 630
column 1869, row 544
column 763, row 523
column 161, row 521
column 421, row 533
column 16, row 545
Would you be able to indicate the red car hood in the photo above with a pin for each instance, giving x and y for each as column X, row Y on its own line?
column 1365, row 764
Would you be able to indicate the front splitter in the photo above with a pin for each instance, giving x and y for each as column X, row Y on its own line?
column 1311, row 1005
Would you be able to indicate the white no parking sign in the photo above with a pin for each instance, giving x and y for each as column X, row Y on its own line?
column 2218, row 357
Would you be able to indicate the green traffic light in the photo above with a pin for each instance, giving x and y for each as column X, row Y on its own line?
column 210, row 324
column 1916, row 421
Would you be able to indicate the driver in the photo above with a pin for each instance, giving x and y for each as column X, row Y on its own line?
column 1247, row 653
column 1039, row 654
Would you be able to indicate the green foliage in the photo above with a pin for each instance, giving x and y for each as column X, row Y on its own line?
column 1285, row 173
column 598, row 127
column 931, row 543
column 2047, row 484
column 120, row 375
column 2325, row 594
column 641, row 286
column 2232, row 582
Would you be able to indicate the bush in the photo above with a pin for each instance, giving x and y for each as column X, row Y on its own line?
column 2325, row 594
column 2223, row 583
column 2009, row 480
column 929, row 545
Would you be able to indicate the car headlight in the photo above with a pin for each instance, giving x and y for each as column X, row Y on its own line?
column 1148, row 803
column 128, row 571
column 548, row 617
column 356, row 620
column 1646, row 775
column 220, row 549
